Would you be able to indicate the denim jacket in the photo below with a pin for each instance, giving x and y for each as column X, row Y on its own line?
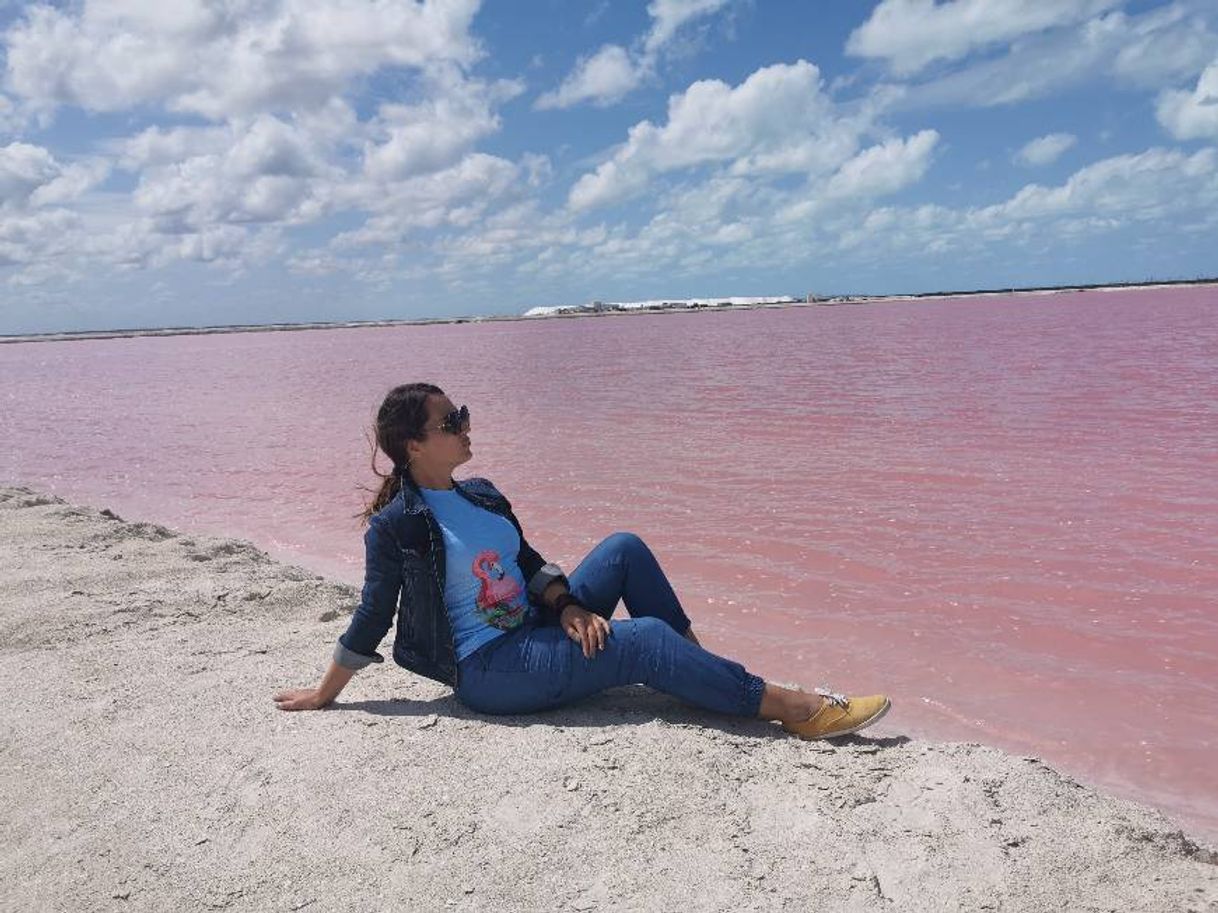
column 404, row 573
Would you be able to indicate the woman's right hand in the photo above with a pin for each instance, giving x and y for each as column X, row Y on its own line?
column 300, row 699
column 587, row 629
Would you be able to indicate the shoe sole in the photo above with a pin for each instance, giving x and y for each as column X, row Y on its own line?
column 841, row 732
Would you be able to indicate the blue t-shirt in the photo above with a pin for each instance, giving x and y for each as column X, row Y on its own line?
column 484, row 588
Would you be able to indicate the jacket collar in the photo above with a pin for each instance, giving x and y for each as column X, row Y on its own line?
column 412, row 497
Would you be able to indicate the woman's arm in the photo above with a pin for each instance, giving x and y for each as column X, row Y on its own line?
column 369, row 624
column 378, row 603
column 332, row 684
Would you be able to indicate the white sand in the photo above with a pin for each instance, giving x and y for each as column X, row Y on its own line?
column 145, row 767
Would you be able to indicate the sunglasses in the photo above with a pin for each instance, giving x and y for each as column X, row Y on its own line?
column 456, row 421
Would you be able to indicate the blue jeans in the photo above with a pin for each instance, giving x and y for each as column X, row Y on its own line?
column 538, row 667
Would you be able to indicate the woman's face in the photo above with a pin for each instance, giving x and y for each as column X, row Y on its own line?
column 440, row 449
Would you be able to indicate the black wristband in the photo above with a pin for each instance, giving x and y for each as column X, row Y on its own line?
column 564, row 600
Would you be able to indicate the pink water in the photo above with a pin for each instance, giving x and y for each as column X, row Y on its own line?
column 1002, row 511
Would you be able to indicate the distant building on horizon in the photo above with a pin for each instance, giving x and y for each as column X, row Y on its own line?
column 659, row 304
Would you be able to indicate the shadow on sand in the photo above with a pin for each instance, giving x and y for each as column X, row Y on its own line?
column 631, row 705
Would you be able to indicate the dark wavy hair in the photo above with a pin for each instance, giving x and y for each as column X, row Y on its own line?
column 402, row 417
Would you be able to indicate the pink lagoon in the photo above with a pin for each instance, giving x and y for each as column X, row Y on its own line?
column 1002, row 510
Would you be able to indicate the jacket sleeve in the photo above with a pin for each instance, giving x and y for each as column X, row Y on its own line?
column 356, row 648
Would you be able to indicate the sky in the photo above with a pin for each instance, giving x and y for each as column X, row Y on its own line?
column 215, row 162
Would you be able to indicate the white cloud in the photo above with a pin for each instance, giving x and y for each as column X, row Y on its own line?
column 609, row 75
column 669, row 15
column 222, row 60
column 455, row 196
column 1149, row 50
column 603, row 79
column 1192, row 115
column 219, row 199
column 1045, row 149
column 71, row 183
column 518, row 230
column 23, row 169
column 1150, row 187
column 1161, row 45
column 728, row 221
column 416, row 139
column 268, row 171
column 30, row 176
column 157, row 146
column 772, row 170
column 730, row 154
column 1133, row 187
column 38, row 235
column 911, row 34
column 777, row 120
column 9, row 116
column 226, row 244
column 221, row 193
column 885, row 168
column 479, row 208
column 1155, row 186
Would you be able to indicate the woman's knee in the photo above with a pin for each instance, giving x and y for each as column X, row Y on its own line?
column 625, row 542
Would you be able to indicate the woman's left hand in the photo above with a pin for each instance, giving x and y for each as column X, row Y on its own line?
column 587, row 629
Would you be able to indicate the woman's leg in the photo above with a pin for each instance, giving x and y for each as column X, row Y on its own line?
column 622, row 567
column 675, row 666
column 541, row 668
column 647, row 650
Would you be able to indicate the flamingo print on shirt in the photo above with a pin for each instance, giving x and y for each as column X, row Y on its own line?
column 499, row 595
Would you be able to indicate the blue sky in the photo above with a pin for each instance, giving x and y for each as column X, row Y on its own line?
column 197, row 162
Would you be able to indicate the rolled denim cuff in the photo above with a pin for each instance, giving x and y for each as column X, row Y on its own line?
column 545, row 575
column 754, row 691
column 349, row 659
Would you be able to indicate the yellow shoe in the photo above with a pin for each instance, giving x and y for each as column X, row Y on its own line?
column 840, row 715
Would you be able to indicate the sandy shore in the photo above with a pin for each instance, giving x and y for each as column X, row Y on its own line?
column 145, row 767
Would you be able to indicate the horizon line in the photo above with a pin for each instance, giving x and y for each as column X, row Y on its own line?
column 811, row 300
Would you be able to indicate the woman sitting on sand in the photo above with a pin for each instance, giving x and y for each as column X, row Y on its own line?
column 480, row 610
